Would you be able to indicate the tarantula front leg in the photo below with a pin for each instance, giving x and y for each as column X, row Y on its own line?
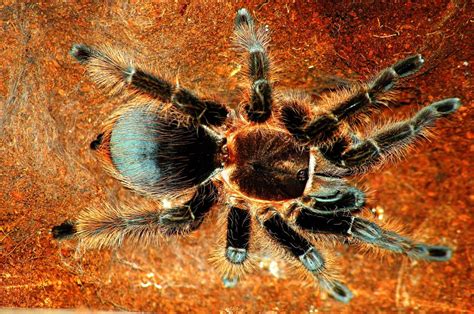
column 367, row 232
column 302, row 249
column 337, row 200
column 328, row 211
column 110, row 226
column 112, row 70
column 254, row 40
column 344, row 104
column 390, row 139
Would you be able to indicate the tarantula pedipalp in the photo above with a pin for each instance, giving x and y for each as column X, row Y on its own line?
column 280, row 161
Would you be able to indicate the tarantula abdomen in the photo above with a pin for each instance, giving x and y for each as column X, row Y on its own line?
column 156, row 154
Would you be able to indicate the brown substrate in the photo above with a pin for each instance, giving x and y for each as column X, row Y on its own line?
column 50, row 112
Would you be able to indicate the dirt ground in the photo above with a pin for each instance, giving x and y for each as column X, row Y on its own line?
column 50, row 111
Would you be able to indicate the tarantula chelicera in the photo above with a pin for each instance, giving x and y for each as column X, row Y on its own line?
column 275, row 167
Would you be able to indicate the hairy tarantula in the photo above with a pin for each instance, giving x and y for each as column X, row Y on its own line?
column 276, row 166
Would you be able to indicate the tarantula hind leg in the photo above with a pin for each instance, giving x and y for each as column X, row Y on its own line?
column 108, row 227
column 368, row 232
column 254, row 40
column 114, row 71
column 188, row 217
column 65, row 230
column 390, row 139
column 360, row 100
column 302, row 249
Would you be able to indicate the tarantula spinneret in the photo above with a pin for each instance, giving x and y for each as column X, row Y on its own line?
column 277, row 166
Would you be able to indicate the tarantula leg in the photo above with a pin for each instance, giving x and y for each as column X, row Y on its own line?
column 237, row 245
column 111, row 70
column 238, row 235
column 204, row 111
column 110, row 226
column 188, row 217
column 336, row 201
column 392, row 138
column 254, row 41
column 334, row 150
column 329, row 222
column 384, row 81
column 243, row 19
column 302, row 249
column 65, row 230
column 368, row 232
column 327, row 125
column 371, row 233
column 388, row 77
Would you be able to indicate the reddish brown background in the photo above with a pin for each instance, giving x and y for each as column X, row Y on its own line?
column 50, row 111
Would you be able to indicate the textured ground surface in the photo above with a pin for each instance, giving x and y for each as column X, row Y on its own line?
column 50, row 110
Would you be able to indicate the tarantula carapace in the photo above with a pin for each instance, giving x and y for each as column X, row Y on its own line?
column 275, row 167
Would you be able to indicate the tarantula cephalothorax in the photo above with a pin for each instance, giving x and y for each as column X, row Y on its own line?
column 276, row 167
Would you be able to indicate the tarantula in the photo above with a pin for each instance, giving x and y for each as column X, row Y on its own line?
column 275, row 166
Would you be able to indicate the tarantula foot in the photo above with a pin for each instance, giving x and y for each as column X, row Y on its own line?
column 446, row 106
column 236, row 255
column 433, row 253
column 81, row 52
column 96, row 143
column 243, row 17
column 426, row 116
column 409, row 65
column 65, row 230
column 230, row 282
column 337, row 290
